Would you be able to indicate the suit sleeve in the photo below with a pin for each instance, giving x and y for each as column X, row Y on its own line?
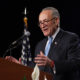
column 72, row 63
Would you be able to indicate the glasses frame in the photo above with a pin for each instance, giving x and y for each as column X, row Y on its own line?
column 45, row 21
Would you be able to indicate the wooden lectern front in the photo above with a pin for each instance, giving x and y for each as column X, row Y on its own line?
column 12, row 71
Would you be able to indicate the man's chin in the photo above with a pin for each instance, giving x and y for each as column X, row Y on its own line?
column 45, row 34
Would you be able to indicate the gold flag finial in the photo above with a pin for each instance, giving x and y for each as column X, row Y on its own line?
column 25, row 21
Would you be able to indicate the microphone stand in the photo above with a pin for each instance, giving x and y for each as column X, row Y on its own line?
column 11, row 47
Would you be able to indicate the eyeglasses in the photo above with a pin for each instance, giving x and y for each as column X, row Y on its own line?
column 45, row 22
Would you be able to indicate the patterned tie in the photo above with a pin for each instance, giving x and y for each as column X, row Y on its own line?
column 47, row 48
column 26, row 53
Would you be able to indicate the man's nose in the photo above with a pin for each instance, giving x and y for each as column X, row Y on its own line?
column 43, row 25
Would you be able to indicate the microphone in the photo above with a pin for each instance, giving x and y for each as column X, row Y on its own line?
column 19, row 41
column 16, row 42
column 14, row 45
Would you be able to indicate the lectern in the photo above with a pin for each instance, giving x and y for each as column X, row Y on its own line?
column 12, row 71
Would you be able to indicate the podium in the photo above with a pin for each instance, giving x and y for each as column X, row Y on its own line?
column 12, row 71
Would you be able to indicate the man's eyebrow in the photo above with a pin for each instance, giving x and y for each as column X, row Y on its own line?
column 43, row 20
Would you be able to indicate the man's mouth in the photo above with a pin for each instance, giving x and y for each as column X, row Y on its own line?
column 45, row 29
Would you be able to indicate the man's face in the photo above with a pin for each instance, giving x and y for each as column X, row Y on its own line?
column 48, row 24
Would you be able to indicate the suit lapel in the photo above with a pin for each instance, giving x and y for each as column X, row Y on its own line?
column 43, row 45
column 55, row 43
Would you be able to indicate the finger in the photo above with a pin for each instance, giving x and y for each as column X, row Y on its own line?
column 41, row 53
column 40, row 58
column 38, row 61
column 7, row 57
column 41, row 64
column 20, row 60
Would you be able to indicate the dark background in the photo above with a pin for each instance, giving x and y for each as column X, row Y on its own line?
column 11, row 20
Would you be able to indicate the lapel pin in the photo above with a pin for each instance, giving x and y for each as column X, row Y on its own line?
column 55, row 43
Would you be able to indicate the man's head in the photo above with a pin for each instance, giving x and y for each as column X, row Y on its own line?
column 49, row 20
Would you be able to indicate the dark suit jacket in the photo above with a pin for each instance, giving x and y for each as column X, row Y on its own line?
column 65, row 52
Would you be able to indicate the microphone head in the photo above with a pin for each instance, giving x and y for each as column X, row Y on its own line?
column 27, row 33
column 16, row 42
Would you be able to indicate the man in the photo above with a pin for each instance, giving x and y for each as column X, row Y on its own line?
column 63, row 57
column 59, row 52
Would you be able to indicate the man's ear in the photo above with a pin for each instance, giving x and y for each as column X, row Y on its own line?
column 56, row 21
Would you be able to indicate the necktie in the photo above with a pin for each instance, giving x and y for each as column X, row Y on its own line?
column 26, row 53
column 47, row 48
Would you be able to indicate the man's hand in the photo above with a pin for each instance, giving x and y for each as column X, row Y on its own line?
column 42, row 60
column 12, row 59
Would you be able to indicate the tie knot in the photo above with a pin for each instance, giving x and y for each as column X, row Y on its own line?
column 50, row 39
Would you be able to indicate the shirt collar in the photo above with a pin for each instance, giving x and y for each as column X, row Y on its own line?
column 54, row 35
